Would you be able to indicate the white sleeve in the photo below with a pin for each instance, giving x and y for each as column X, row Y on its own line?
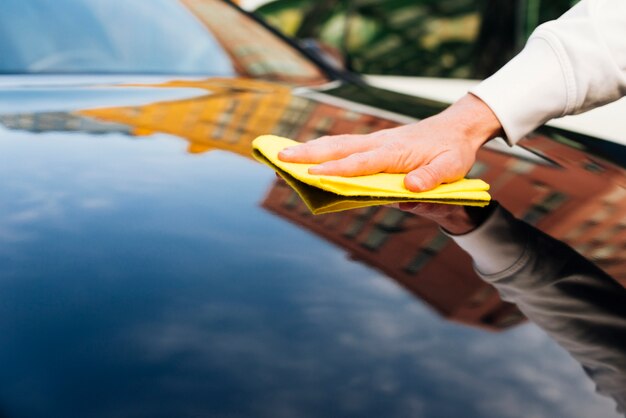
column 569, row 65
column 495, row 246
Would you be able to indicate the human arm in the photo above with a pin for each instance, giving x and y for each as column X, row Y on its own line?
column 438, row 149
column 569, row 65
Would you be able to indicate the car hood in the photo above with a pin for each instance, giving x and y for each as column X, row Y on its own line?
column 151, row 267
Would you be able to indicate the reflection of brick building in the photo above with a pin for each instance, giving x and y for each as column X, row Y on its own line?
column 580, row 200
column 408, row 249
column 576, row 199
column 253, row 50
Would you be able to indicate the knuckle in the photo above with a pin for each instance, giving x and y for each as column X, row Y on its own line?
column 393, row 147
column 335, row 145
column 356, row 161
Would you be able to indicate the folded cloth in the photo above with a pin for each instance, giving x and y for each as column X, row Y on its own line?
column 320, row 201
column 381, row 185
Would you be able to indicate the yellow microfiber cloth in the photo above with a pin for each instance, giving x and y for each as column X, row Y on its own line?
column 381, row 185
column 320, row 201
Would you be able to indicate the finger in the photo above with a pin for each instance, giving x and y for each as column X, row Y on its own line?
column 326, row 148
column 419, row 208
column 359, row 164
column 407, row 206
column 442, row 169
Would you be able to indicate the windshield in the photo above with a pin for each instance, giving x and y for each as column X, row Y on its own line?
column 203, row 37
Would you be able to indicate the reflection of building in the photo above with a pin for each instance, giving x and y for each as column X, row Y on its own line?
column 574, row 200
column 254, row 51
column 59, row 122
column 410, row 250
column 234, row 112
column 580, row 202
column 228, row 117
column 554, row 197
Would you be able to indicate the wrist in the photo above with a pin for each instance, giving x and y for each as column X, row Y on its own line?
column 475, row 121
column 468, row 219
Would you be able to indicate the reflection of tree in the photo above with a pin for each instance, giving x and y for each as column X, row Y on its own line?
column 449, row 38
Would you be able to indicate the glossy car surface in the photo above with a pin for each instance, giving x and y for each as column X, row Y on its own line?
column 149, row 267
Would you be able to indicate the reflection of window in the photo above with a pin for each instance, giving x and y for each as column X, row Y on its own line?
column 426, row 253
column 521, row 166
column 604, row 252
column 355, row 228
column 609, row 232
column 580, row 230
column 393, row 218
column 375, row 239
column 367, row 212
column 477, row 169
column 547, row 205
column 602, row 214
column 361, row 220
column 333, row 222
column 593, row 167
column 293, row 117
column 323, row 126
column 615, row 196
column 349, row 115
column 224, row 118
column 292, row 200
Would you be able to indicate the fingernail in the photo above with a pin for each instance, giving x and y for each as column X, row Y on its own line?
column 287, row 152
column 318, row 169
column 416, row 183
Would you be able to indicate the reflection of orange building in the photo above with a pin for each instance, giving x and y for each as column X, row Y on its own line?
column 228, row 117
column 234, row 112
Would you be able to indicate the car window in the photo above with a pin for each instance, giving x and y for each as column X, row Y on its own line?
column 142, row 37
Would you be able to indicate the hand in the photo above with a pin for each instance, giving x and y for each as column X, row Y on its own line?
column 440, row 149
column 454, row 219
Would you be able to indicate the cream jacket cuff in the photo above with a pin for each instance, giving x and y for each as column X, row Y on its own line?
column 496, row 245
column 569, row 65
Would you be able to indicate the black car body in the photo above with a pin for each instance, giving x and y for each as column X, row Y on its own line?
column 150, row 267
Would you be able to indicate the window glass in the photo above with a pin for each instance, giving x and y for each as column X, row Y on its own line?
column 199, row 37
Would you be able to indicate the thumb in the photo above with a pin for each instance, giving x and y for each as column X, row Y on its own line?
column 443, row 169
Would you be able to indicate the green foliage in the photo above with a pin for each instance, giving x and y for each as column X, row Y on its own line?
column 437, row 38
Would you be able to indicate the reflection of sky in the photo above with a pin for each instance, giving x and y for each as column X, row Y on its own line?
column 141, row 281
column 107, row 36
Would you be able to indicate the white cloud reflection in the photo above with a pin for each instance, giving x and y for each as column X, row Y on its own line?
column 352, row 354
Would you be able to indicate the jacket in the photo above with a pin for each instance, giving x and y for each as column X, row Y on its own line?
column 568, row 66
